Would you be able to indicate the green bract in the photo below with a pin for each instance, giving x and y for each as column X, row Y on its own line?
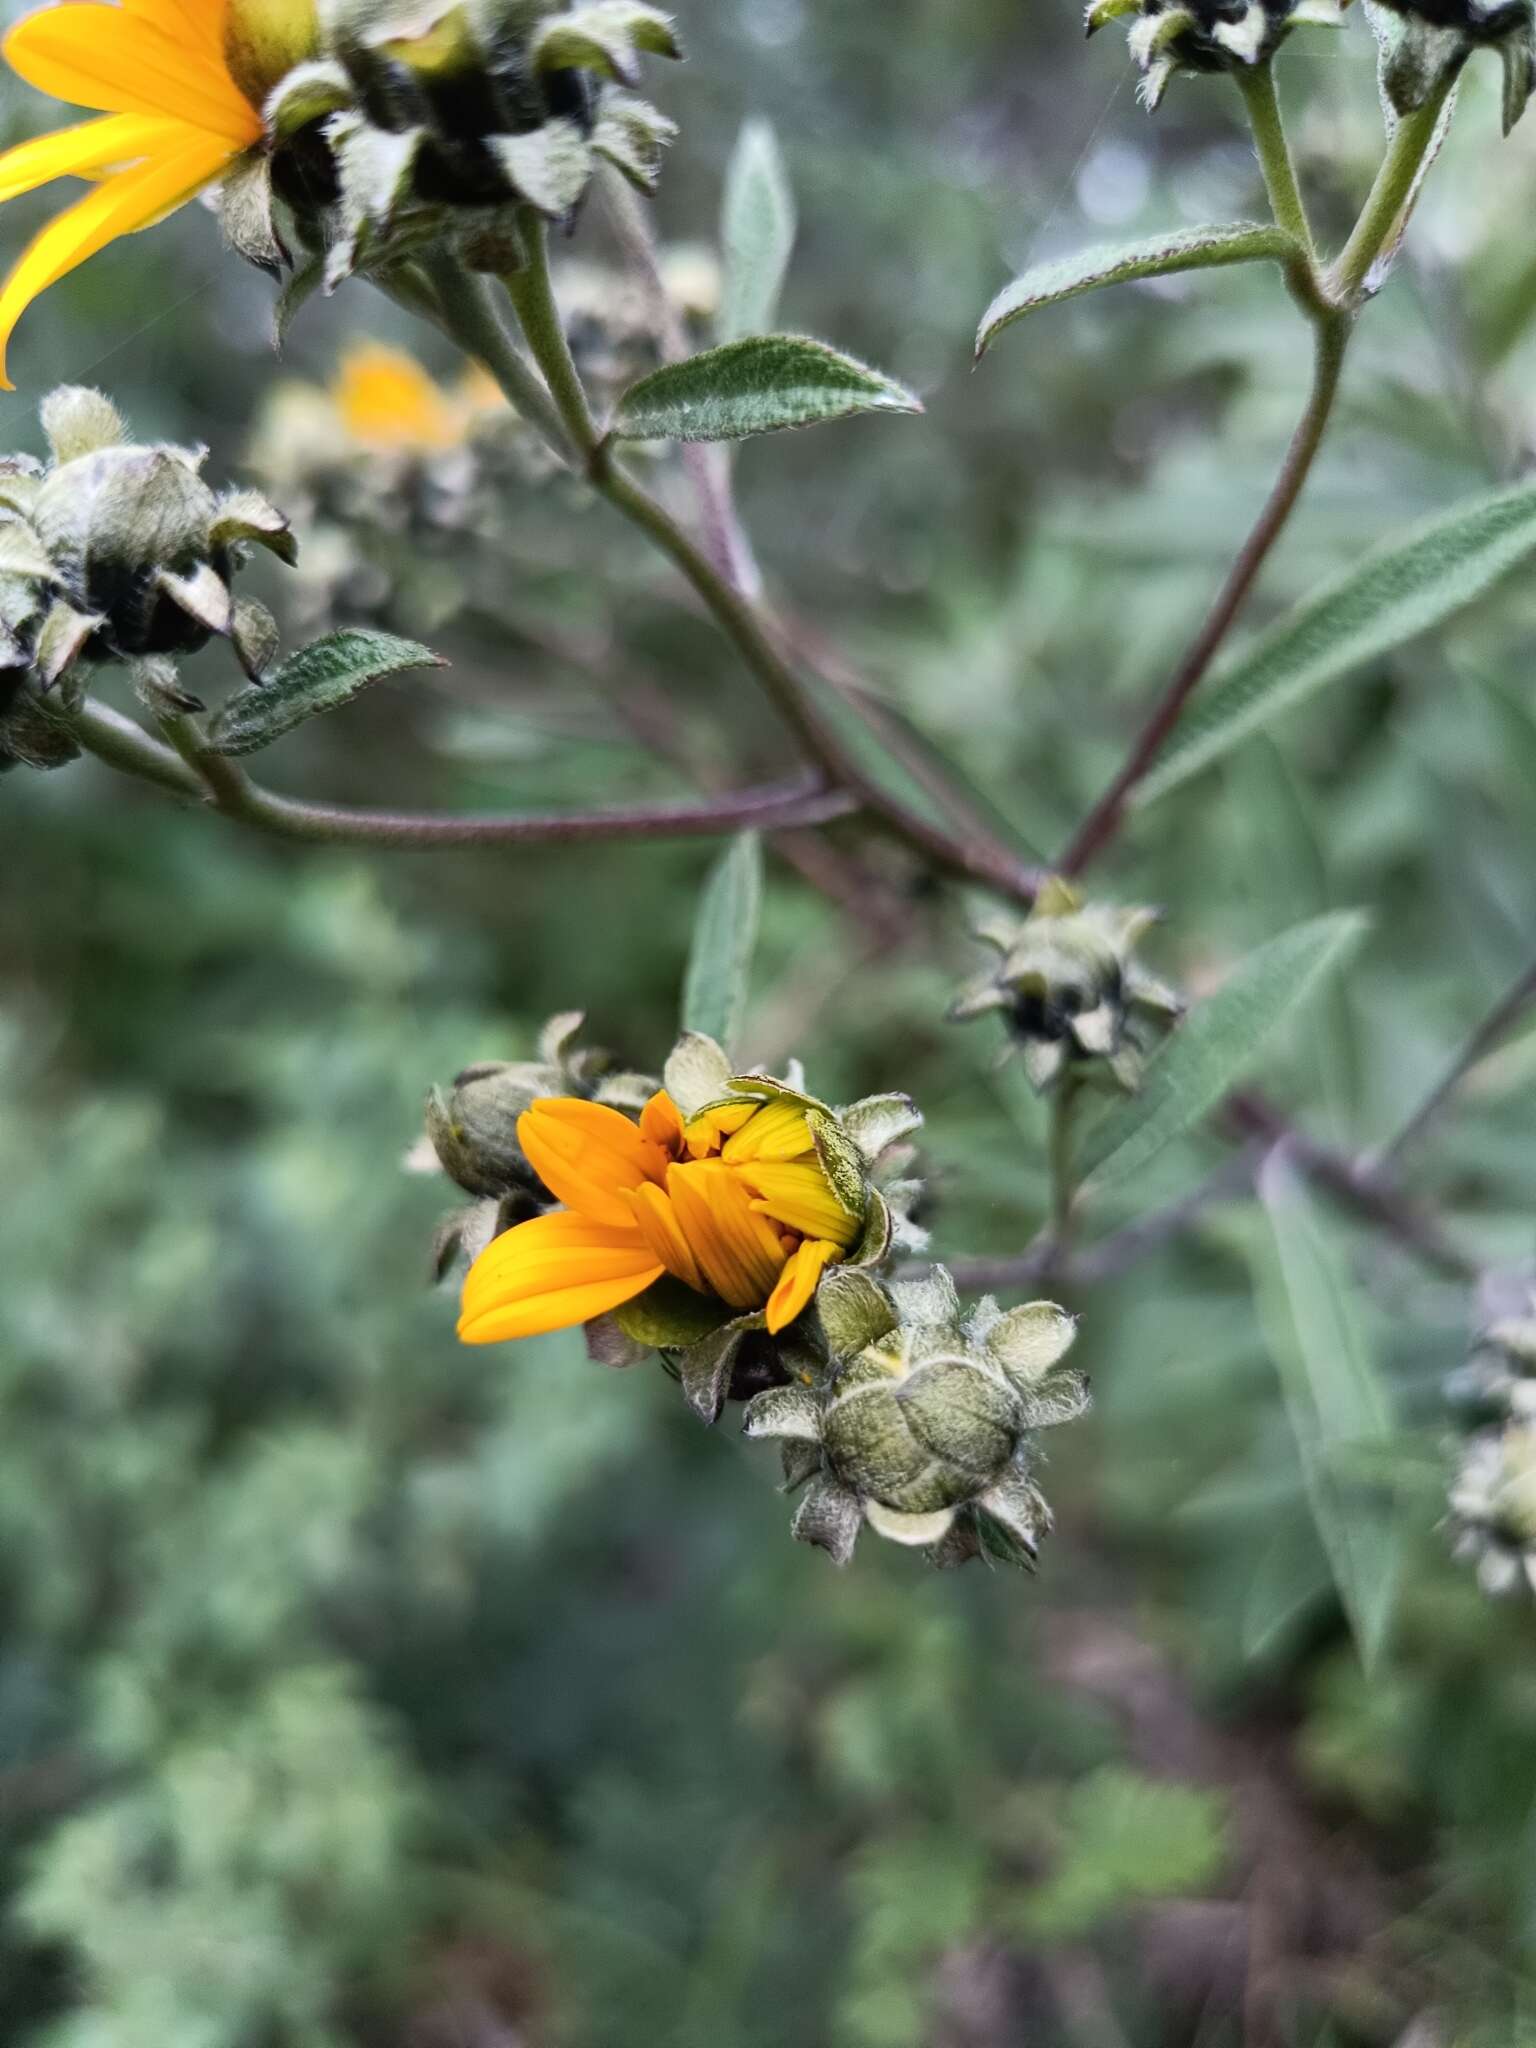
column 116, row 551
column 1207, row 35
column 1070, row 987
column 923, row 1425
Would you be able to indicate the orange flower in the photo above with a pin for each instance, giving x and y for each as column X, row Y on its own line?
column 163, row 74
column 736, row 1204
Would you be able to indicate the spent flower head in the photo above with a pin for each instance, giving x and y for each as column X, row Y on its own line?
column 1207, row 35
column 1070, row 987
column 117, row 550
column 1493, row 1507
column 923, row 1425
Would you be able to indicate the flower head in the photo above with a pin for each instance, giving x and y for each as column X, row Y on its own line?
column 923, row 1428
column 1423, row 43
column 1493, row 1507
column 712, row 1215
column 1070, row 987
column 1207, row 35
column 174, row 118
column 119, row 551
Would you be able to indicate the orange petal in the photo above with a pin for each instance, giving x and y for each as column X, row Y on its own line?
column 661, row 1122
column 199, row 22
column 588, row 1156
column 658, row 1224
column 738, row 1251
column 778, row 1131
column 129, row 201
column 797, row 1283
column 85, row 151
column 95, row 56
column 549, row 1274
column 799, row 1195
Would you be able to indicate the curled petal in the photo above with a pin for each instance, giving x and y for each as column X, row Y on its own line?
column 550, row 1274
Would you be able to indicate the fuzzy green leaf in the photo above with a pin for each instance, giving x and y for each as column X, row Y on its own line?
column 320, row 677
column 1048, row 284
column 724, row 936
column 757, row 233
column 758, row 385
column 1335, row 1396
column 1219, row 1041
column 1397, row 592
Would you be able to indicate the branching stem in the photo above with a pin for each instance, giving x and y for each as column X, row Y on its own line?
column 189, row 769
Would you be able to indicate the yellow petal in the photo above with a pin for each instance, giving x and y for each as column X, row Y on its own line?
column 708, row 1132
column 549, row 1274
column 95, row 56
column 588, row 1156
column 85, row 151
column 129, row 201
column 778, row 1131
column 797, row 1283
column 739, row 1253
column 799, row 1195
column 198, row 22
column 658, row 1224
column 387, row 400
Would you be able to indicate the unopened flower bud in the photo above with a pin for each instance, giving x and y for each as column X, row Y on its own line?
column 925, row 1431
column 1424, row 43
column 1070, row 987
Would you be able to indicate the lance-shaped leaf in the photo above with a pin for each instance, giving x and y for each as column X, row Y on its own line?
column 1397, row 592
column 724, row 938
column 1210, row 248
column 1335, row 1396
column 758, row 385
column 320, row 677
column 757, row 232
column 1219, row 1042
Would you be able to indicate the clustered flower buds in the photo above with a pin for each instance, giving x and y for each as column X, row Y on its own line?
column 1424, row 44
column 116, row 551
column 1070, row 988
column 738, row 1228
column 921, row 1423
column 1493, row 1494
column 1207, row 35
column 445, row 121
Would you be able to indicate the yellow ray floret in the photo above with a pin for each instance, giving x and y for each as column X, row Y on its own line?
column 175, row 121
column 734, row 1204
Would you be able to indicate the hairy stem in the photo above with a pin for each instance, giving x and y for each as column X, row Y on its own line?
column 1063, row 1121
column 1382, row 218
column 1505, row 1013
column 188, row 768
column 1256, row 83
column 1103, row 822
column 533, row 299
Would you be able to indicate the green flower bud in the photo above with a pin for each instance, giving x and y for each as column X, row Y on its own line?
column 926, row 1430
column 1207, row 35
column 1070, row 988
column 118, row 551
column 1424, row 43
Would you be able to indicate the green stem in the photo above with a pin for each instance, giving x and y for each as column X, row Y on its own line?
column 1391, row 197
column 189, row 768
column 533, row 300
column 465, row 309
column 1064, row 1105
column 1257, row 86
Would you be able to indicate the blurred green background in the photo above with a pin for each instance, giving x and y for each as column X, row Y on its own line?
column 356, row 1688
